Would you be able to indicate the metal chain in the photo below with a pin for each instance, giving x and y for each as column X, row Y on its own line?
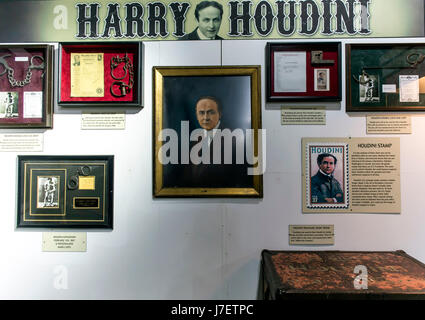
column 130, row 74
column 16, row 83
column 11, row 72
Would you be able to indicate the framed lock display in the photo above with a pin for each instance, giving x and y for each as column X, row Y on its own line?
column 100, row 74
column 65, row 191
column 385, row 77
column 303, row 71
column 26, row 78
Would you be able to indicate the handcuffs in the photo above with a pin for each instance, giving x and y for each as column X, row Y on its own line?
column 124, row 88
column 414, row 62
column 413, row 59
column 73, row 180
column 11, row 72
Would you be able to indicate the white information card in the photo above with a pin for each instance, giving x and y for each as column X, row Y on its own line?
column 33, row 104
column 290, row 71
column 64, row 242
column 20, row 142
column 409, row 88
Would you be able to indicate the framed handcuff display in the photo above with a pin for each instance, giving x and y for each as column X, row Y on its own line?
column 26, row 78
column 385, row 77
column 100, row 74
column 65, row 191
column 303, row 71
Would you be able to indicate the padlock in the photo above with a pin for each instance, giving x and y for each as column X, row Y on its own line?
column 317, row 58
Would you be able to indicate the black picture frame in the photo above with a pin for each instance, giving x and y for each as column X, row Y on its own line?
column 374, row 73
column 65, row 191
column 327, row 56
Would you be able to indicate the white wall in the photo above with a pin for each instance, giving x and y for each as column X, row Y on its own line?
column 196, row 248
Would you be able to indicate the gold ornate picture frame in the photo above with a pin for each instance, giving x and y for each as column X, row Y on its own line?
column 207, row 136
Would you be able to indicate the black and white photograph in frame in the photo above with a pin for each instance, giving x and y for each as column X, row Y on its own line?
column 48, row 192
column 369, row 88
column 321, row 79
column 8, row 105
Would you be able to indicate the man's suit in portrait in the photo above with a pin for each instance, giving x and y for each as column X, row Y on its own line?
column 211, row 175
column 324, row 186
column 194, row 36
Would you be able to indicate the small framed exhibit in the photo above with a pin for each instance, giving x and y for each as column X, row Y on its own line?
column 346, row 175
column 100, row 74
column 303, row 71
column 385, row 77
column 207, row 132
column 26, row 81
column 65, row 191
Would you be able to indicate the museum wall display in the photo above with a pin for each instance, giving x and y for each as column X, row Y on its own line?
column 106, row 202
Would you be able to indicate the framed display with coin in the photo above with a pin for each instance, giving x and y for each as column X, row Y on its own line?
column 26, row 78
column 303, row 71
column 100, row 74
column 385, row 77
column 65, row 191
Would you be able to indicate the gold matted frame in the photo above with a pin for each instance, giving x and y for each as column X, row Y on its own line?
column 176, row 91
column 48, row 190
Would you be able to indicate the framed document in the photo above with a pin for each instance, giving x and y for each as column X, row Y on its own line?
column 385, row 77
column 100, row 74
column 87, row 75
column 303, row 71
column 207, row 132
column 26, row 78
column 65, row 191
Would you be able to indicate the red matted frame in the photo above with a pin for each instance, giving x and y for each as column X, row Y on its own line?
column 133, row 50
column 331, row 51
column 26, row 91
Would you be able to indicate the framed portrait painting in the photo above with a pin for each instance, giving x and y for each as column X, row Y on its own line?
column 207, row 138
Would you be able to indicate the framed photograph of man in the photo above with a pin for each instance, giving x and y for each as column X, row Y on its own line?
column 369, row 88
column 65, row 191
column 326, row 175
column 9, row 105
column 48, row 191
column 207, row 132
column 321, row 79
